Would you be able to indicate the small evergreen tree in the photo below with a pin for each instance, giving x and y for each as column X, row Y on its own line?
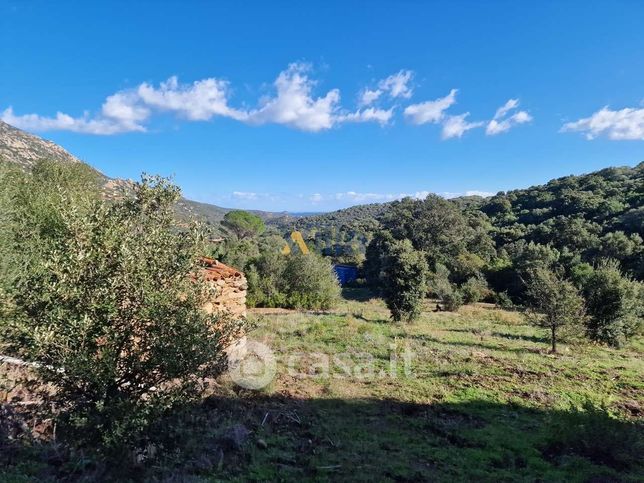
column 404, row 279
column 553, row 302
column 615, row 305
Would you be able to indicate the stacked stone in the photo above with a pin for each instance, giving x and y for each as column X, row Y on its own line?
column 229, row 286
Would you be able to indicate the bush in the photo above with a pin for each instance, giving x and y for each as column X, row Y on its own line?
column 503, row 301
column 453, row 300
column 438, row 282
column 405, row 274
column 615, row 305
column 474, row 290
column 311, row 282
column 112, row 313
column 31, row 207
column 295, row 281
column 265, row 275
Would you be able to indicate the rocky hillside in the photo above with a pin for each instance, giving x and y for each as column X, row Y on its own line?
column 24, row 149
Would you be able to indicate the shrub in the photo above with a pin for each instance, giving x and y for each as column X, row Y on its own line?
column 265, row 275
column 503, row 301
column 112, row 313
column 474, row 290
column 31, row 207
column 438, row 282
column 453, row 300
column 405, row 274
column 615, row 305
column 310, row 282
column 292, row 281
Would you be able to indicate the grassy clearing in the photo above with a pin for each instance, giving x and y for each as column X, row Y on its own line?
column 484, row 400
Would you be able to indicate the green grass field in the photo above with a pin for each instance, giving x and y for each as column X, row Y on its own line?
column 482, row 399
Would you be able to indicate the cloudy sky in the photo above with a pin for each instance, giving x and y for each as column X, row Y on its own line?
column 278, row 106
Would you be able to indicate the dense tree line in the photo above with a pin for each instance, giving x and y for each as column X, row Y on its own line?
column 582, row 234
column 341, row 235
column 580, row 219
column 583, row 218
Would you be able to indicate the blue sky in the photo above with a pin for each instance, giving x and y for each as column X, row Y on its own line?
column 312, row 106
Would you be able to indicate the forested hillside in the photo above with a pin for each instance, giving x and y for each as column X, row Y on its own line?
column 587, row 217
column 600, row 214
column 341, row 234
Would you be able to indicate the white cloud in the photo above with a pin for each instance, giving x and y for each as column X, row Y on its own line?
column 65, row 122
column 452, row 194
column 625, row 124
column 199, row 101
column 421, row 195
column 245, row 195
column 316, row 197
column 397, row 84
column 127, row 110
column 369, row 96
column 484, row 194
column 500, row 123
column 430, row 111
column 378, row 197
column 456, row 126
column 365, row 197
column 505, row 108
column 370, row 114
column 294, row 106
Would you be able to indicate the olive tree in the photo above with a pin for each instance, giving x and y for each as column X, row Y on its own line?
column 112, row 313
column 31, row 207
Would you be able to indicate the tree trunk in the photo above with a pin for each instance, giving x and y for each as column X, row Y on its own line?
column 554, row 339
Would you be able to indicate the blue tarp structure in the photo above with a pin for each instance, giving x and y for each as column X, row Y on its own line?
column 346, row 273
